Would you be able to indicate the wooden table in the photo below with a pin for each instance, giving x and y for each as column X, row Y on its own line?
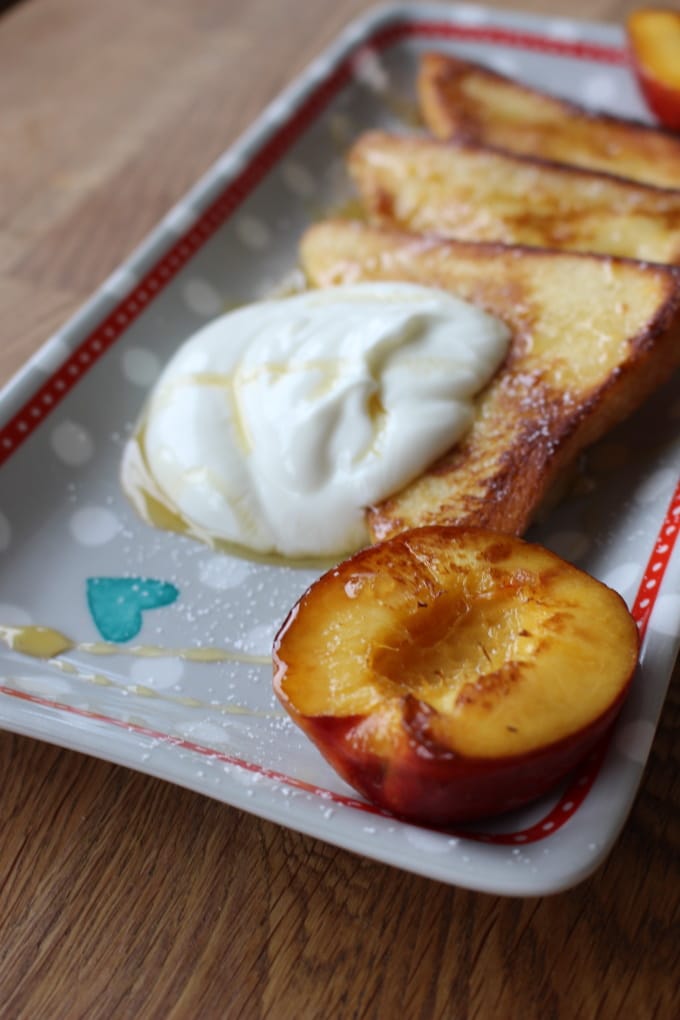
column 122, row 896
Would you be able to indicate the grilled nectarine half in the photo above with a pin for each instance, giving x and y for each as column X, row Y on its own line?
column 654, row 38
column 452, row 673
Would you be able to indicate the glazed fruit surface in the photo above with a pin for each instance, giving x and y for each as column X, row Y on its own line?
column 450, row 673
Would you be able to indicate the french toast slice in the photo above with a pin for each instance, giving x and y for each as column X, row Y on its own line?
column 462, row 99
column 477, row 193
column 592, row 336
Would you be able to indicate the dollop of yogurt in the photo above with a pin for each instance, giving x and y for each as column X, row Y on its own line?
column 275, row 425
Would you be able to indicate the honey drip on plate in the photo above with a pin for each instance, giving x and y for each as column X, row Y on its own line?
column 49, row 645
column 45, row 643
column 38, row 642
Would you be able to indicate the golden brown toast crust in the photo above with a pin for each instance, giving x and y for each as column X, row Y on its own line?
column 465, row 100
column 478, row 193
column 591, row 338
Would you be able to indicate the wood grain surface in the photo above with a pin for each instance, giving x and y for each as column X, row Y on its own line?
column 123, row 896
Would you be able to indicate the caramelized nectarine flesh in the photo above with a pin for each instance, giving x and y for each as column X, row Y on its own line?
column 454, row 658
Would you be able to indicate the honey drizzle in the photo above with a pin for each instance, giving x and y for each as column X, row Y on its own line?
column 49, row 645
column 155, row 508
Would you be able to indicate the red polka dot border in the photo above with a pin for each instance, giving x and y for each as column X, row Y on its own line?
column 88, row 352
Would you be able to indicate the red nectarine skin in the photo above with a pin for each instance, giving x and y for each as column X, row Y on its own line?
column 436, row 786
column 449, row 673
column 662, row 100
column 654, row 36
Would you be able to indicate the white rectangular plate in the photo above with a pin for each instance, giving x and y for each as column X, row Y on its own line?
column 64, row 524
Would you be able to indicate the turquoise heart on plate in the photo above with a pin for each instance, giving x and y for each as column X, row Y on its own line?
column 117, row 603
